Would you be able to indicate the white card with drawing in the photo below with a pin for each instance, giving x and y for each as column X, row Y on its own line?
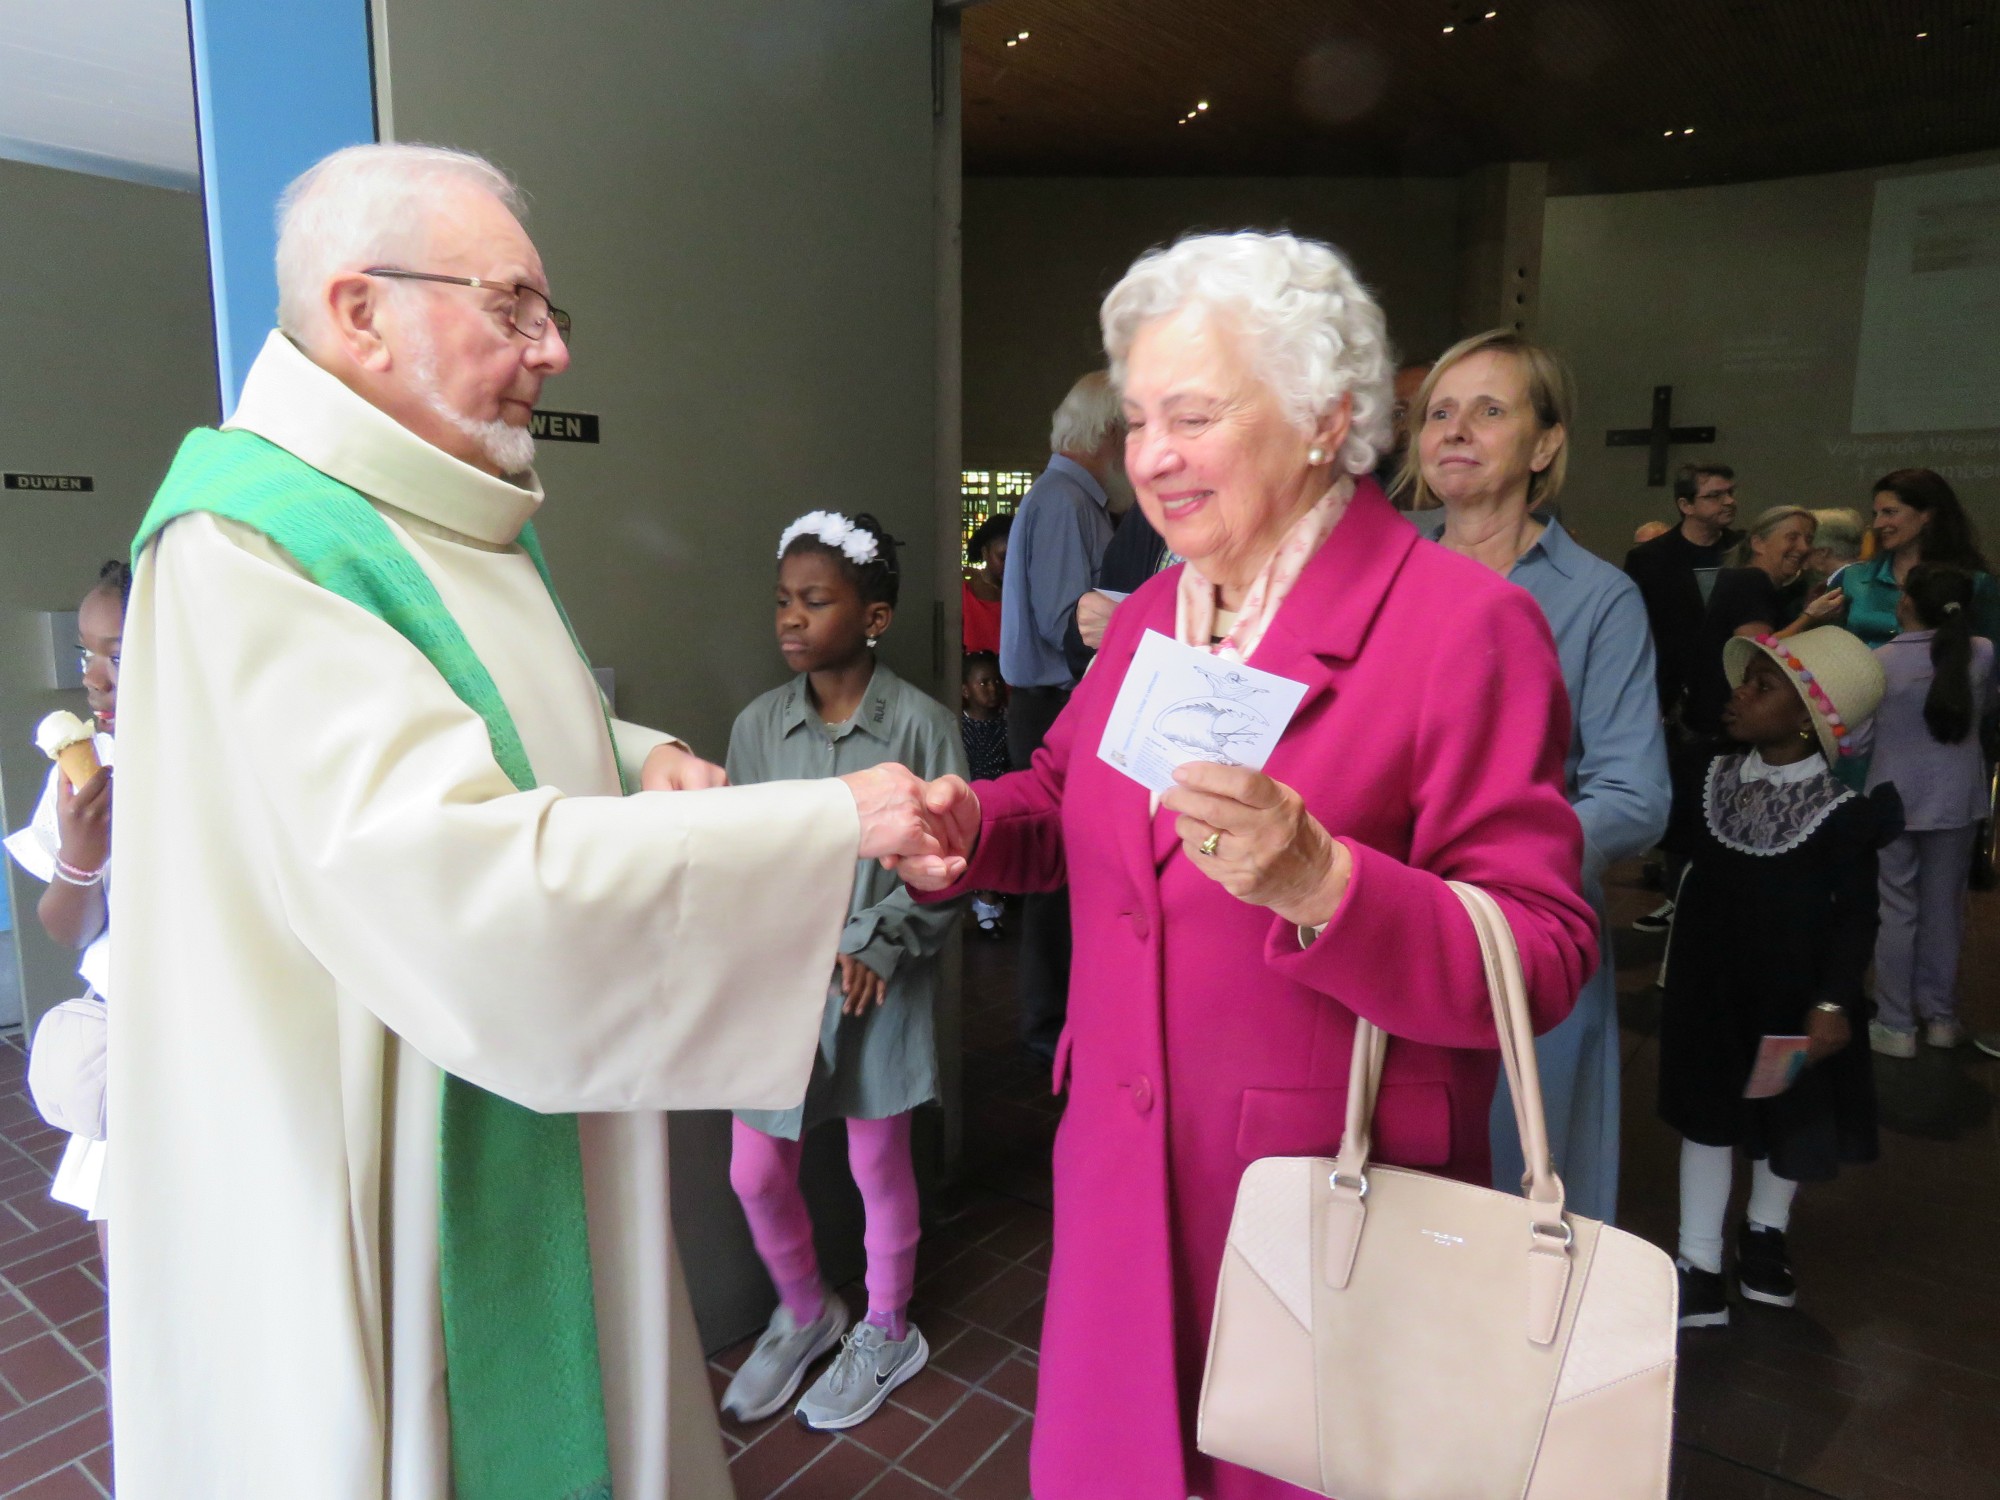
column 1179, row 704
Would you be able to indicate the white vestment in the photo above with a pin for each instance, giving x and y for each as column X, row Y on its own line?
column 329, row 890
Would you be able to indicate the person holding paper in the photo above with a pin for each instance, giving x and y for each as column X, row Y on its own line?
column 1229, row 932
column 1775, row 928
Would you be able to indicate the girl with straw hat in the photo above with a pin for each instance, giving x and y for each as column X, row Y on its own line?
column 1773, row 933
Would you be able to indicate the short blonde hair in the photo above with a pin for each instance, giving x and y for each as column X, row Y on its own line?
column 1767, row 522
column 1314, row 333
column 1551, row 394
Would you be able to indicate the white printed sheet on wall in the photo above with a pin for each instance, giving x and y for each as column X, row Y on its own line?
column 1930, row 315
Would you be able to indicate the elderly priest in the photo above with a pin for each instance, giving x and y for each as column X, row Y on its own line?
column 405, row 983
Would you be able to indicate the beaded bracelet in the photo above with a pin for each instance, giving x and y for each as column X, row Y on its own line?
column 69, row 874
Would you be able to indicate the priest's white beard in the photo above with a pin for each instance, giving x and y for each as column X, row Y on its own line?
column 508, row 448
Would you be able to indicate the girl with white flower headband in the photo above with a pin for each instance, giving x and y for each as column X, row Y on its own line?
column 845, row 710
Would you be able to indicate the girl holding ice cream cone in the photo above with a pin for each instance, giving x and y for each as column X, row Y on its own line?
column 68, row 846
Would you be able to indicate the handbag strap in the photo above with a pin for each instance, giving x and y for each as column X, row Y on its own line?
column 1549, row 1235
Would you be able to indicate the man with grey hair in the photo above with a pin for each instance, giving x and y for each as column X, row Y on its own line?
column 1054, row 552
column 405, row 982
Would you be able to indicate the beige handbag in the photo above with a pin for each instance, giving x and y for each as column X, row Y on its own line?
column 1383, row 1334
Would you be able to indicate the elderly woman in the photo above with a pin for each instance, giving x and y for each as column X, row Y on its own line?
column 1758, row 594
column 1492, row 427
column 1227, row 940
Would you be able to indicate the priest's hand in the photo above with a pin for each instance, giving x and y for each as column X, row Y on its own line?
column 675, row 768
column 860, row 986
column 897, row 823
column 955, row 806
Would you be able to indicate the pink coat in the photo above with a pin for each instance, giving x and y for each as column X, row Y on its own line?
column 1201, row 1036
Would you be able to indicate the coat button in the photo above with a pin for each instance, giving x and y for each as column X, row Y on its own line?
column 1142, row 1095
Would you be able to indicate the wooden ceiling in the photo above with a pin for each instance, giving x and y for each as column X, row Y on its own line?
column 1605, row 91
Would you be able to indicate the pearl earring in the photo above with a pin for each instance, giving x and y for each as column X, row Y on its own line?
column 871, row 643
column 1315, row 456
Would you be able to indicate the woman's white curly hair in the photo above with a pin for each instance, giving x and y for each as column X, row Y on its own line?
column 1315, row 334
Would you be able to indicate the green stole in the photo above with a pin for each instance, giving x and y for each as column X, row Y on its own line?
column 520, row 1326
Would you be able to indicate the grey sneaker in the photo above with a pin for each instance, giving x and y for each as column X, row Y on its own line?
column 772, row 1373
column 868, row 1367
column 1890, row 1041
column 1946, row 1034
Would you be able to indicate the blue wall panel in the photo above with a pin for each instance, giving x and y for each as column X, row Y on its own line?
column 277, row 86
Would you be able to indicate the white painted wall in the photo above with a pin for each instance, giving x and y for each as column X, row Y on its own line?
column 1747, row 299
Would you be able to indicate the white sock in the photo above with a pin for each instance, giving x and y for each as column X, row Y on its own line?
column 1705, row 1177
column 1770, row 1198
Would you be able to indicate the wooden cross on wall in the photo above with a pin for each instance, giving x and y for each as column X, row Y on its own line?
column 1656, row 438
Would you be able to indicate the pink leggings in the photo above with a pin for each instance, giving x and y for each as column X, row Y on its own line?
column 764, row 1170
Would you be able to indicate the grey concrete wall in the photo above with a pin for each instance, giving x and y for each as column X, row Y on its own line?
column 736, row 203
column 110, row 359
column 1747, row 299
column 1040, row 253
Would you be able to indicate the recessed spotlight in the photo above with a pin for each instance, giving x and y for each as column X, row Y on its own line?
column 1922, row 34
column 1493, row 15
column 1688, row 131
column 1449, row 30
column 1667, row 133
column 1202, row 105
column 1022, row 37
column 1012, row 43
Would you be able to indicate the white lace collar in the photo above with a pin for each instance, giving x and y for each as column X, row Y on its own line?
column 1773, row 811
column 1756, row 768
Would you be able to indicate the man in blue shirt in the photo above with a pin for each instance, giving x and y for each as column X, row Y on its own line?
column 1054, row 551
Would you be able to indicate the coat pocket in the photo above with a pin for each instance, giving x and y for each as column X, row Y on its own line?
column 1412, row 1123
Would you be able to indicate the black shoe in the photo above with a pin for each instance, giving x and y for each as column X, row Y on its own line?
column 1763, row 1269
column 1659, row 919
column 1704, row 1299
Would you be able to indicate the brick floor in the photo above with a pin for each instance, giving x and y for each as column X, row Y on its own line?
column 54, row 1436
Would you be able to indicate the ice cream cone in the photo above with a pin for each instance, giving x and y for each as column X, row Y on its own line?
column 79, row 762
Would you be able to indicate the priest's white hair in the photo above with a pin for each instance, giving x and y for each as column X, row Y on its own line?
column 367, row 206
column 1315, row 333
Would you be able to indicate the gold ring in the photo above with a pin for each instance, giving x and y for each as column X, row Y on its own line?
column 1208, row 844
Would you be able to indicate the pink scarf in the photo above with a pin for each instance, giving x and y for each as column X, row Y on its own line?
column 1195, row 609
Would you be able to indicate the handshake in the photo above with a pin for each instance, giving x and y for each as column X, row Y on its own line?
column 924, row 831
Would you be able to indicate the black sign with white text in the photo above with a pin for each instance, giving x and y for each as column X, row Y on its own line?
column 564, row 426
column 77, row 483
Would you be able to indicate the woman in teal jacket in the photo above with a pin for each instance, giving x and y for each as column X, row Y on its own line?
column 1917, row 519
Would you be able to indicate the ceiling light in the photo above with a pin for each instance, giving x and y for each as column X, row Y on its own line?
column 1667, row 133
column 1022, row 37
column 1202, row 105
column 1012, row 43
column 1922, row 34
column 1688, row 131
column 1493, row 15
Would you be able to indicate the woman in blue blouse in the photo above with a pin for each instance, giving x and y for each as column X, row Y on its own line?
column 1917, row 519
column 1491, row 424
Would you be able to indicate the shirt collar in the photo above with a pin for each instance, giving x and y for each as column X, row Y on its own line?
column 871, row 717
column 312, row 415
column 1556, row 546
column 1756, row 768
column 1083, row 476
